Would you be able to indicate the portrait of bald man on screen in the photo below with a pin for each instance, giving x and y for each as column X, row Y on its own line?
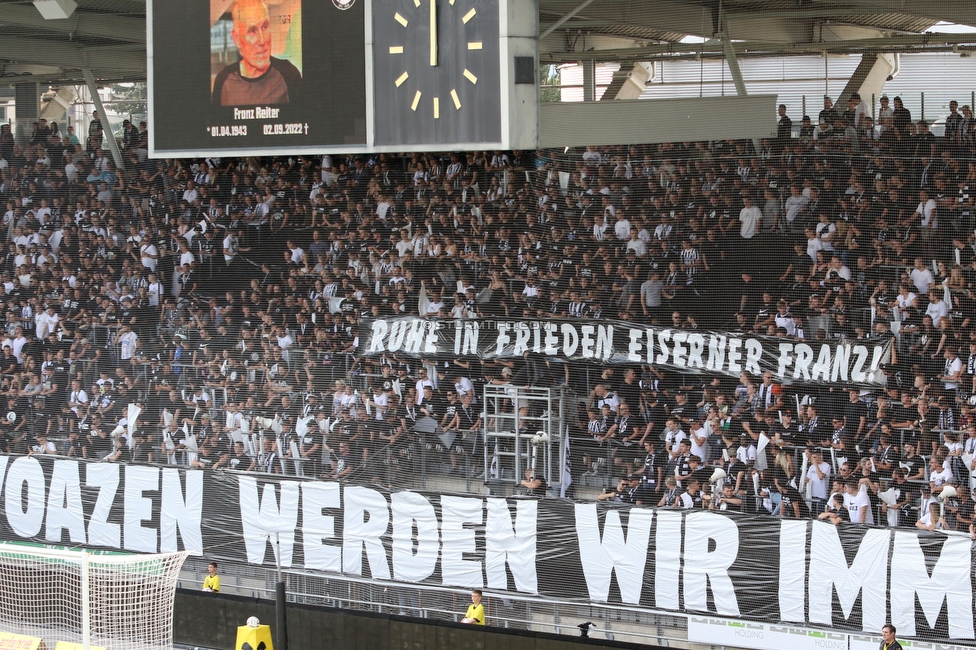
column 257, row 78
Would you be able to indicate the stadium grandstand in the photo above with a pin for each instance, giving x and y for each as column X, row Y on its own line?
column 776, row 331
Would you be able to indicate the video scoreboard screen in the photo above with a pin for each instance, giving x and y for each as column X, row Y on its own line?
column 250, row 77
column 255, row 74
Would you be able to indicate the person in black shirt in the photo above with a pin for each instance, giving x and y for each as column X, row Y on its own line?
column 727, row 499
column 681, row 410
column 835, row 513
column 786, row 433
column 121, row 452
column 856, row 417
column 886, row 455
column 533, row 484
column 41, row 420
column 629, row 390
column 625, row 492
column 8, row 363
column 143, row 451
column 78, row 445
column 310, row 448
column 651, row 471
column 699, row 472
column 963, row 509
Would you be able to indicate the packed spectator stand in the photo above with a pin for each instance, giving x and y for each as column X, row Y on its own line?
column 220, row 297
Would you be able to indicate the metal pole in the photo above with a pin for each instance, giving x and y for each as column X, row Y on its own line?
column 740, row 84
column 589, row 80
column 922, row 117
column 85, row 602
column 280, row 622
column 113, row 146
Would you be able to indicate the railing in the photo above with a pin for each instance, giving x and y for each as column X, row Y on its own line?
column 511, row 610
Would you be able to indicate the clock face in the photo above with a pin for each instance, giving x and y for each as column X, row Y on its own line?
column 436, row 78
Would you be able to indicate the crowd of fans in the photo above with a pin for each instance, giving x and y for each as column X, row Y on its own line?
column 207, row 293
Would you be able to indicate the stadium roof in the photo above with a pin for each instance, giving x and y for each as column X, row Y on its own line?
column 640, row 30
column 108, row 36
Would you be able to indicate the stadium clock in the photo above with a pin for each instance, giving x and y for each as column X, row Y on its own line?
column 436, row 66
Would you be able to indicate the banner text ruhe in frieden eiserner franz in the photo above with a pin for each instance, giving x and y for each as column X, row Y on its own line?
column 842, row 361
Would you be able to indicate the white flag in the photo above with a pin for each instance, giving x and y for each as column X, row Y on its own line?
column 423, row 302
column 567, row 478
column 493, row 470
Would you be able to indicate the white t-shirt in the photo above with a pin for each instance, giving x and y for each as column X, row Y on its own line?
column 938, row 311
column 463, row 386
column 155, row 291
column 940, row 478
column 927, row 210
column 747, row 455
column 904, row 302
column 854, row 505
column 230, row 244
column 127, row 345
column 814, row 245
column 750, row 218
column 381, row 400
column 922, row 279
column 825, row 232
column 147, row 261
column 672, row 438
column 818, row 486
column 952, row 367
column 622, row 229
column 17, row 345
column 46, row 324
column 700, row 450
column 793, row 206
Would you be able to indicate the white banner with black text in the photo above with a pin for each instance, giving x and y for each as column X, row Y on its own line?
column 826, row 361
column 753, row 568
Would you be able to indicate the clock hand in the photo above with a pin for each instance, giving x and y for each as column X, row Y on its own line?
column 433, row 32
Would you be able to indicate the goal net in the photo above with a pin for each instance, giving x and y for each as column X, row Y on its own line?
column 114, row 601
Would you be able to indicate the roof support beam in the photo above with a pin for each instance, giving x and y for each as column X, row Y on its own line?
column 740, row 84
column 82, row 23
column 658, row 15
column 556, row 25
column 109, row 137
column 23, row 49
column 957, row 12
column 716, row 48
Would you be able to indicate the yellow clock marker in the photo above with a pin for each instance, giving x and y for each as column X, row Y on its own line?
column 468, row 16
column 437, row 108
column 457, row 102
column 416, row 101
column 474, row 45
column 400, row 19
column 396, row 49
column 416, row 3
column 452, row 3
column 433, row 32
column 467, row 75
column 402, row 78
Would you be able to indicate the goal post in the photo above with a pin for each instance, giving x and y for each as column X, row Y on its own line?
column 106, row 600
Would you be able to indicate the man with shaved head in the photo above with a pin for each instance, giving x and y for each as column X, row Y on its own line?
column 257, row 78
